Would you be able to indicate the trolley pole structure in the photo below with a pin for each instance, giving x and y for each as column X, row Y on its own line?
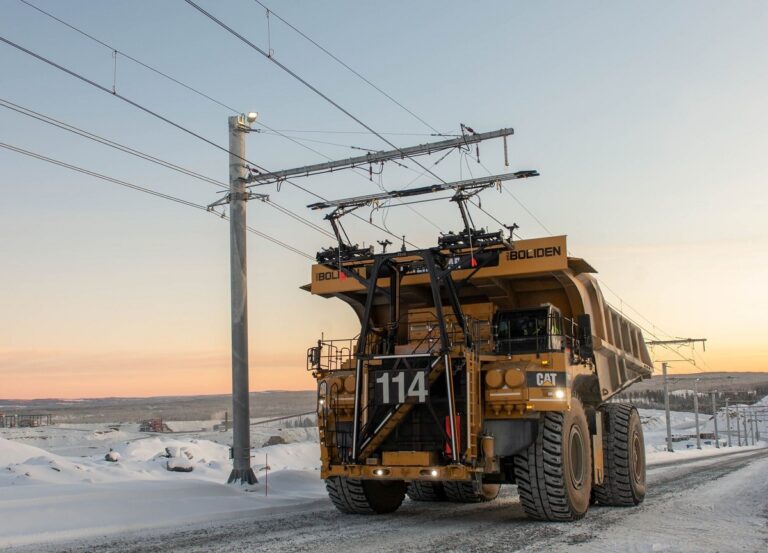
column 696, row 412
column 728, row 421
column 239, row 126
column 678, row 342
column 738, row 426
column 666, row 406
column 714, row 417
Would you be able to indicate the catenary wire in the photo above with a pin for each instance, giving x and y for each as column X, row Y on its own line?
column 145, row 190
column 346, row 66
column 304, row 82
column 172, row 123
column 133, row 59
column 143, row 155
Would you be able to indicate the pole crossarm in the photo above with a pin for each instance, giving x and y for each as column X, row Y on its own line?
column 376, row 157
column 680, row 341
column 245, row 196
column 468, row 184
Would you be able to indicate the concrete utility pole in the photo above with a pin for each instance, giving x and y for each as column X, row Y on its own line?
column 752, row 425
column 728, row 421
column 744, row 419
column 241, row 419
column 696, row 411
column 714, row 416
column 666, row 407
column 738, row 426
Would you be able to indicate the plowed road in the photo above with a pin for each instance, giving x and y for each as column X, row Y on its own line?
column 712, row 504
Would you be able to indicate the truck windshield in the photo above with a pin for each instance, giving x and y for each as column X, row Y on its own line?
column 525, row 331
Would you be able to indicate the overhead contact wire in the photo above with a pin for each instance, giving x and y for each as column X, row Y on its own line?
column 145, row 190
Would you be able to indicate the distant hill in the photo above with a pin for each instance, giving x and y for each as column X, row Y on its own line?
column 721, row 381
column 744, row 388
column 180, row 408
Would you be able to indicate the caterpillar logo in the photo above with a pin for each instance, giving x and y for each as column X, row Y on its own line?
column 549, row 379
column 546, row 379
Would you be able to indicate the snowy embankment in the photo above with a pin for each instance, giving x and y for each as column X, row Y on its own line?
column 46, row 496
column 55, row 483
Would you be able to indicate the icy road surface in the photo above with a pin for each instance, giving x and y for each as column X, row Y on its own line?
column 701, row 505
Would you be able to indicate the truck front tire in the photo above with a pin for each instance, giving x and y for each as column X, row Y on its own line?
column 554, row 473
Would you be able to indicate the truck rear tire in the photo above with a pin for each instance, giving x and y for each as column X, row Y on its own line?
column 554, row 474
column 365, row 497
column 426, row 491
column 473, row 491
column 623, row 457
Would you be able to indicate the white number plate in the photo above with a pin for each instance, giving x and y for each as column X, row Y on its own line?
column 393, row 386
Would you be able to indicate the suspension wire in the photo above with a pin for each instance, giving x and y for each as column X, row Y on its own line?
column 116, row 95
column 305, row 83
column 105, row 141
column 145, row 190
column 197, row 91
column 335, row 58
column 142, row 155
column 135, row 60
column 172, row 123
column 368, row 133
column 351, row 147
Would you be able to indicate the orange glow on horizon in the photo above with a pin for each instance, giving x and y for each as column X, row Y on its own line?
column 70, row 375
column 66, row 375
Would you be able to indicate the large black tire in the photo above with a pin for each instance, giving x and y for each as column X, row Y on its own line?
column 426, row 491
column 472, row 491
column 623, row 457
column 554, row 473
column 365, row 497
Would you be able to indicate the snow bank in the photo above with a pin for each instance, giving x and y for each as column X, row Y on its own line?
column 49, row 497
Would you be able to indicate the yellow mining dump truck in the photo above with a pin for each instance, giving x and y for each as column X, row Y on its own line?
column 481, row 361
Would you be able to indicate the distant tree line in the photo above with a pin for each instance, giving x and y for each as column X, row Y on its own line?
column 654, row 399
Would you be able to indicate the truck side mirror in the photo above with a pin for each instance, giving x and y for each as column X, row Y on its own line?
column 585, row 337
column 313, row 358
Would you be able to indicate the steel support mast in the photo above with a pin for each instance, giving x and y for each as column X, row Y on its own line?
column 696, row 412
column 241, row 419
column 666, row 406
column 714, row 416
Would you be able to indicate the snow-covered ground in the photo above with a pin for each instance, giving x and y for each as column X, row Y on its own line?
column 55, row 483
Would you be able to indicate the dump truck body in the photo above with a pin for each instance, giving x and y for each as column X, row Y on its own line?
column 461, row 355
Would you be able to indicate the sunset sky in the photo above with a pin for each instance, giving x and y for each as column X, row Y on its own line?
column 646, row 120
